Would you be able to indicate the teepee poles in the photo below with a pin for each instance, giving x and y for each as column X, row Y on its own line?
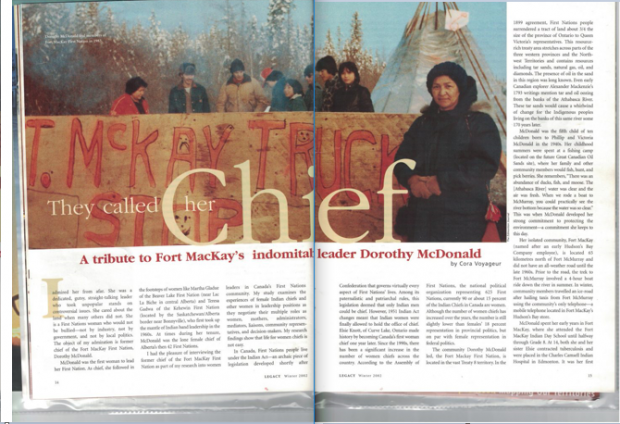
column 413, row 22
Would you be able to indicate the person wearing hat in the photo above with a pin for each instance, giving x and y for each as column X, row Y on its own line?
column 188, row 96
column 241, row 93
column 264, row 74
column 314, row 93
column 457, row 151
column 133, row 101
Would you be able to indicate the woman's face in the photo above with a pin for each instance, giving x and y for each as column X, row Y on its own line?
column 445, row 93
column 137, row 95
column 347, row 76
column 288, row 91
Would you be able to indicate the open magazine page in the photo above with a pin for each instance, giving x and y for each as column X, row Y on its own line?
column 499, row 164
column 167, row 217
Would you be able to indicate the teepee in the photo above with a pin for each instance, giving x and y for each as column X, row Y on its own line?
column 436, row 33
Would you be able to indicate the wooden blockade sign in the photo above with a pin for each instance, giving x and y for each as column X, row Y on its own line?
column 239, row 177
column 100, row 180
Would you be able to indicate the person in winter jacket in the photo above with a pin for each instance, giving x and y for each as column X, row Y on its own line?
column 457, row 152
column 328, row 71
column 294, row 92
column 133, row 101
column 351, row 96
column 188, row 96
column 241, row 93
column 314, row 94
column 276, row 81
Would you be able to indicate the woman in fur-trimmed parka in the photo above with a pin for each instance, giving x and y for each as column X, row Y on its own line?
column 457, row 152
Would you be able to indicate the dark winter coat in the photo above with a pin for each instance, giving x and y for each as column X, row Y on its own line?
column 329, row 90
column 352, row 98
column 296, row 104
column 279, row 101
column 200, row 101
column 318, row 99
column 462, row 148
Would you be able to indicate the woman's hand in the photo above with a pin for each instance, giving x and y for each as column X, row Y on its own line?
column 418, row 187
column 424, row 187
column 433, row 185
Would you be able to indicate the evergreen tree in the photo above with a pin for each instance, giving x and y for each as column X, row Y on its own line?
column 328, row 49
column 80, row 19
column 254, row 46
column 339, row 45
column 230, row 25
column 123, row 34
column 243, row 29
column 92, row 19
column 49, row 20
column 158, row 41
column 46, row 61
column 292, row 52
column 353, row 49
column 111, row 28
column 113, row 43
column 138, row 34
column 306, row 45
column 178, row 45
column 276, row 28
column 353, row 46
column 117, row 50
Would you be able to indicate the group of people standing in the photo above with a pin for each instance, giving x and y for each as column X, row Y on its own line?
column 240, row 93
column 456, row 148
column 342, row 90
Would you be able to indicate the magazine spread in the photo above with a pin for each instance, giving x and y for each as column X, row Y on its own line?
column 211, row 198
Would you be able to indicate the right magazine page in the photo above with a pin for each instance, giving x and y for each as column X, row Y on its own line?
column 465, row 197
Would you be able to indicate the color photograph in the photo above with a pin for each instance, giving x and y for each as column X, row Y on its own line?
column 139, row 57
column 429, row 89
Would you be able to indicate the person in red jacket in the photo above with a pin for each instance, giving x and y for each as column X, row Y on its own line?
column 133, row 101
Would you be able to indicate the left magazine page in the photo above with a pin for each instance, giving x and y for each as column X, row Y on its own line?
column 166, row 174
